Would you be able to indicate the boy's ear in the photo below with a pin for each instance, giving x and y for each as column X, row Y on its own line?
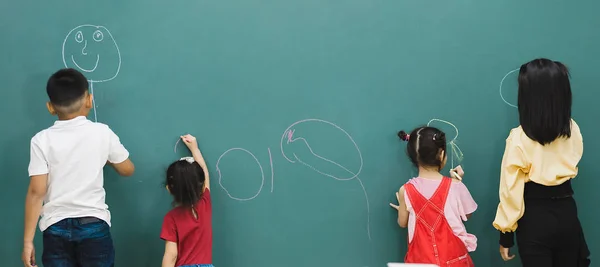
column 50, row 108
column 89, row 101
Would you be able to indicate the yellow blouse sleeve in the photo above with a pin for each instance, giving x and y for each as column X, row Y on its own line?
column 512, row 185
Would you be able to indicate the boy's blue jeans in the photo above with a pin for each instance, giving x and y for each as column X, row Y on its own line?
column 75, row 242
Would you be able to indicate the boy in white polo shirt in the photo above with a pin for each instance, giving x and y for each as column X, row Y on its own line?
column 67, row 184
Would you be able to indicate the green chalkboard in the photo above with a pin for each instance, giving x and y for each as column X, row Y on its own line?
column 298, row 104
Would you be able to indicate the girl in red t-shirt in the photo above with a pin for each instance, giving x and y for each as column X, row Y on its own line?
column 187, row 228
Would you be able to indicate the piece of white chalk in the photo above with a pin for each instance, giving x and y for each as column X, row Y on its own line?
column 456, row 175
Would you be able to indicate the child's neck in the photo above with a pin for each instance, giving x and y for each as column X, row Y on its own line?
column 430, row 173
column 66, row 117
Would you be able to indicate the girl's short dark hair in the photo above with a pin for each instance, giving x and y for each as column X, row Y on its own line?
column 424, row 146
column 545, row 100
column 185, row 181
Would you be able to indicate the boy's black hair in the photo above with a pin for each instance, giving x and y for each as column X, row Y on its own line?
column 66, row 88
column 424, row 146
column 545, row 100
column 185, row 181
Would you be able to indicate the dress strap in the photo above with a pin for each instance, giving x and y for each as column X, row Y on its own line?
column 441, row 194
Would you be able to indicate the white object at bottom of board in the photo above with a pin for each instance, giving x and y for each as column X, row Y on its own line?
column 410, row 265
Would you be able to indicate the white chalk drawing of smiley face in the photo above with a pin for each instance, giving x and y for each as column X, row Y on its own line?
column 92, row 50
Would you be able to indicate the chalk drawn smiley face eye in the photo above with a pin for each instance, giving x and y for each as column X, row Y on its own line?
column 98, row 36
column 79, row 37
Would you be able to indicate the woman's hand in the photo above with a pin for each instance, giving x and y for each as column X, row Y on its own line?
column 505, row 253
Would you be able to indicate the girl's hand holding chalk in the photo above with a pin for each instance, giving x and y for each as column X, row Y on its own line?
column 190, row 141
column 397, row 207
column 457, row 173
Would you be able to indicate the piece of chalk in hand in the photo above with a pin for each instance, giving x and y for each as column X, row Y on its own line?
column 455, row 174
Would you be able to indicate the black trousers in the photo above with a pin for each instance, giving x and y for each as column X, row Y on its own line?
column 549, row 233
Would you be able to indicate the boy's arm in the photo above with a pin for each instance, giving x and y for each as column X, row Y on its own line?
column 118, row 156
column 38, row 186
column 125, row 168
column 170, row 257
column 200, row 160
column 33, row 207
column 33, row 204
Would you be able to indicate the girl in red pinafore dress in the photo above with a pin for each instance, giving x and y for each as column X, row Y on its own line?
column 433, row 206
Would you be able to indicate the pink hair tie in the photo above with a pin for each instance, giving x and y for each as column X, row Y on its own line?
column 407, row 137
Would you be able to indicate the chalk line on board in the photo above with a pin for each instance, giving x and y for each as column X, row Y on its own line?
column 456, row 151
column 288, row 138
column 257, row 162
column 78, row 44
column 272, row 170
column 176, row 143
column 94, row 102
column 502, row 83
column 262, row 173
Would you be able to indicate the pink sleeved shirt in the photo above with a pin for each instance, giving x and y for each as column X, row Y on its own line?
column 459, row 204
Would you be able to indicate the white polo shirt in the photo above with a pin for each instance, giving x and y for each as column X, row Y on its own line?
column 73, row 154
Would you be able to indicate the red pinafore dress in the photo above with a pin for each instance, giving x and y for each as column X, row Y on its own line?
column 433, row 241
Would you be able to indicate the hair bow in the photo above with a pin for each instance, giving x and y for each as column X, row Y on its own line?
column 188, row 159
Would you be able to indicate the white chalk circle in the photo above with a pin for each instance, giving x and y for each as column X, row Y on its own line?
column 92, row 50
column 502, row 94
column 262, row 174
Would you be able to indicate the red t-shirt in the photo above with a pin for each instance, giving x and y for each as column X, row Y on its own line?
column 193, row 236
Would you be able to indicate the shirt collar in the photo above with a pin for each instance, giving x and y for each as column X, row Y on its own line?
column 72, row 122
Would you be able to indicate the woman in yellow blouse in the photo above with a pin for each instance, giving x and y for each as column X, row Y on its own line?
column 540, row 159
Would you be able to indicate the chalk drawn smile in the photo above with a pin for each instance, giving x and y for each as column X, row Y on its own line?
column 84, row 69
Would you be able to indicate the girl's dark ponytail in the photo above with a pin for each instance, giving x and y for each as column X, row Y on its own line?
column 426, row 147
column 403, row 136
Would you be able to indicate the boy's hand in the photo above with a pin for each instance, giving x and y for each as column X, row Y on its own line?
column 28, row 255
column 190, row 141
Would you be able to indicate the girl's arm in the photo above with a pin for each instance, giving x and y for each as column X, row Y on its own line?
column 192, row 144
column 465, row 196
column 401, row 208
column 170, row 257
column 200, row 159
